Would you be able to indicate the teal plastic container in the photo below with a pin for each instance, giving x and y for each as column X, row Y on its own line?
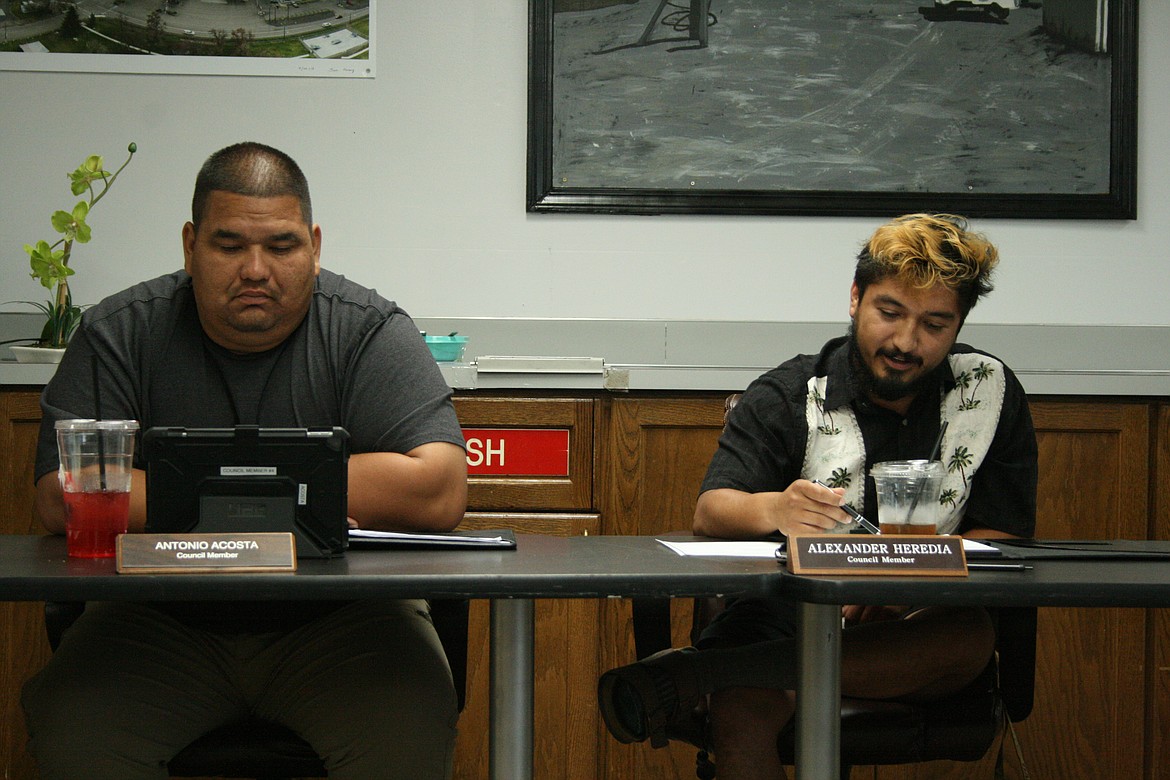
column 447, row 349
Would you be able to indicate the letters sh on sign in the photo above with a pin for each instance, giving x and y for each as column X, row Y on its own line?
column 518, row 452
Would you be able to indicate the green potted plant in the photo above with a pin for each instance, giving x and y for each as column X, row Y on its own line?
column 49, row 263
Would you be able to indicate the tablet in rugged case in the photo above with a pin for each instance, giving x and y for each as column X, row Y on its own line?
column 216, row 480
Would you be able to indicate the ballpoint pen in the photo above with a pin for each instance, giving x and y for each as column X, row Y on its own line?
column 998, row 566
column 860, row 518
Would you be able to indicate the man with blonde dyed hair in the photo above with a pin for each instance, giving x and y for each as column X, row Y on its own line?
column 882, row 392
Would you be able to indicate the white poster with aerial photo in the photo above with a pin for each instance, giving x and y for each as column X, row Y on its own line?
column 229, row 37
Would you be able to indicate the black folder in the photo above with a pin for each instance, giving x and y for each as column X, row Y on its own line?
column 1082, row 549
column 495, row 539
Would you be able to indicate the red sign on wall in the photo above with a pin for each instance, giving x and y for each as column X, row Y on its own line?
column 518, row 452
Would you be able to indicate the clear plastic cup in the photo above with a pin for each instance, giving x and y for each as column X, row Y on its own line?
column 96, row 466
column 908, row 495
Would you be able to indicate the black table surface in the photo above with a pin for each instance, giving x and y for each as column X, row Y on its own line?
column 36, row 568
column 1049, row 583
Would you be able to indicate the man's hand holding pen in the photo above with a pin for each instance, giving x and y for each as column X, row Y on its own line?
column 850, row 511
column 812, row 508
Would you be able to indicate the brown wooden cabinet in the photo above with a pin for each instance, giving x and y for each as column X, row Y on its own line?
column 23, row 646
column 565, row 665
column 566, row 661
column 653, row 453
column 635, row 462
column 508, row 491
column 1156, row 737
column 1093, row 686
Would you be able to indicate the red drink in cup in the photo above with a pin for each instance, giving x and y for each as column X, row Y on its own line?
column 93, row 522
column 96, row 473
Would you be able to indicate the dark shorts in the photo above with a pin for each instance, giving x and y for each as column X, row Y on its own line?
column 747, row 621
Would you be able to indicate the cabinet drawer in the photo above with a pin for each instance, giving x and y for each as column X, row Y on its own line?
column 528, row 453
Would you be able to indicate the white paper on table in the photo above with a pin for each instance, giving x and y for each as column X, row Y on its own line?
column 725, row 549
column 980, row 549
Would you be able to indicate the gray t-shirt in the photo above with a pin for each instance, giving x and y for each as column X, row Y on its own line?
column 356, row 361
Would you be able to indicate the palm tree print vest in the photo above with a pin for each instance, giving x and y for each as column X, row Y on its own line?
column 835, row 453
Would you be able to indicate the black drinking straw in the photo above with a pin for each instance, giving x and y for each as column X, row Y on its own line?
column 97, row 404
column 934, row 453
column 937, row 450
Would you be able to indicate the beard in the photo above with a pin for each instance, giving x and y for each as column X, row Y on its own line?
column 882, row 388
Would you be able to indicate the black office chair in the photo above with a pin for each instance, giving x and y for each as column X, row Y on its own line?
column 262, row 749
column 960, row 727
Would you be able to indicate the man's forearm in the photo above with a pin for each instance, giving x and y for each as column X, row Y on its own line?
column 423, row 490
column 732, row 514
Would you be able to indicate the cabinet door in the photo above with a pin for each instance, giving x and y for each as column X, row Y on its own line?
column 653, row 455
column 565, row 667
column 568, row 488
column 23, row 647
column 1089, row 715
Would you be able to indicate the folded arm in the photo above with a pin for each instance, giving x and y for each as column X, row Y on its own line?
column 424, row 489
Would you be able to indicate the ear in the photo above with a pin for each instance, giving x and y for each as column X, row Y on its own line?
column 854, row 300
column 316, row 233
column 188, row 246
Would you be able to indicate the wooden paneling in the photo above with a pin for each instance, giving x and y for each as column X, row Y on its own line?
column 23, row 647
column 1090, row 694
column 1157, row 735
column 653, row 455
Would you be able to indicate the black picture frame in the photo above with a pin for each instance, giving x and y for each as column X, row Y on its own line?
column 548, row 193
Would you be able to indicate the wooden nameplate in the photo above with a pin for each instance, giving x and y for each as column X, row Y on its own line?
column 910, row 556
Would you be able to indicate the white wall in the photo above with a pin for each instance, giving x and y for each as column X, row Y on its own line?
column 418, row 179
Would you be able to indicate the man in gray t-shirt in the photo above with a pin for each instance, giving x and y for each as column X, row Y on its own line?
column 253, row 332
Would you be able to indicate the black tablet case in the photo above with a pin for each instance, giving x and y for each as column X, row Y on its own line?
column 250, row 479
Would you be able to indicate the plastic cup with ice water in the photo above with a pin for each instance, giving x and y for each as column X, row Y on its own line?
column 908, row 495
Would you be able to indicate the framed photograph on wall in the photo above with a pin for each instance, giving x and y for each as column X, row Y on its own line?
column 987, row 108
column 300, row 38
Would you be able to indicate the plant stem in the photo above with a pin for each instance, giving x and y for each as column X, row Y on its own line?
column 107, row 182
column 63, row 299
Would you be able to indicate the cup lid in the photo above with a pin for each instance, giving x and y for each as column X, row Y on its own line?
column 96, row 425
column 909, row 468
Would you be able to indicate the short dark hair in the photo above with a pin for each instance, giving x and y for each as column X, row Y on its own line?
column 927, row 249
column 251, row 169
